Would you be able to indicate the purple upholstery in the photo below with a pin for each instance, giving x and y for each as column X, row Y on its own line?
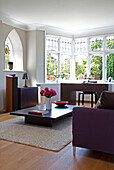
column 93, row 129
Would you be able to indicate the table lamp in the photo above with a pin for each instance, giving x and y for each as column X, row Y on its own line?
column 25, row 77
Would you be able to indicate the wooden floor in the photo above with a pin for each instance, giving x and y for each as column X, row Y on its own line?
column 15, row 156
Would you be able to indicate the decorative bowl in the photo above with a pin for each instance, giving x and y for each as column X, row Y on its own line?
column 61, row 103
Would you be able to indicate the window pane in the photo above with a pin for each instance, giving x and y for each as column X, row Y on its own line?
column 81, row 45
column 96, row 44
column 110, row 42
column 52, row 65
column 65, row 66
column 80, row 66
column 110, row 66
column 52, row 43
column 96, row 67
column 8, row 52
column 66, row 44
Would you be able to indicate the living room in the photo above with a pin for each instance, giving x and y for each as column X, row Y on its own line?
column 38, row 37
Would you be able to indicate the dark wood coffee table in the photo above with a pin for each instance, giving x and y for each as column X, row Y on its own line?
column 47, row 119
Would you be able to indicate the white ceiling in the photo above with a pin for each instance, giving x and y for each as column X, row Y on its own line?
column 73, row 15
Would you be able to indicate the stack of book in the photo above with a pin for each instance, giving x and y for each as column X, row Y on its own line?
column 38, row 112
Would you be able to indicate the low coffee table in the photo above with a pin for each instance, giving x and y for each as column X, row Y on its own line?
column 47, row 119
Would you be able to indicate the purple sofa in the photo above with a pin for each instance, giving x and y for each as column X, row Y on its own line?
column 93, row 129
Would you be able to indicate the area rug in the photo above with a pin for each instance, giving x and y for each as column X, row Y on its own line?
column 52, row 138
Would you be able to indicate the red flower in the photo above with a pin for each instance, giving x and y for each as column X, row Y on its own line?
column 46, row 89
column 53, row 92
column 42, row 92
column 48, row 93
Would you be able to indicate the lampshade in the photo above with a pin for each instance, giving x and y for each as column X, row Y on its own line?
column 25, row 76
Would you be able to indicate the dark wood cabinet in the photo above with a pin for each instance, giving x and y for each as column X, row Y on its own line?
column 19, row 98
column 11, row 93
column 27, row 97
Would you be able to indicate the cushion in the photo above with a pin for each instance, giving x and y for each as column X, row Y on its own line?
column 106, row 100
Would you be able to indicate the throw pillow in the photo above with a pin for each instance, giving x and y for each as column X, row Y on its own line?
column 107, row 100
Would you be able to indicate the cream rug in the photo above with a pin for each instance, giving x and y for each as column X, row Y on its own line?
column 52, row 138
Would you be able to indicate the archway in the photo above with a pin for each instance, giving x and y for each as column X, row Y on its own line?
column 13, row 46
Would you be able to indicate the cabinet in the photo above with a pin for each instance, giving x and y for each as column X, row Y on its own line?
column 27, row 97
column 11, row 93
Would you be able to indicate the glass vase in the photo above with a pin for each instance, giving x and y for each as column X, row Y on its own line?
column 48, row 103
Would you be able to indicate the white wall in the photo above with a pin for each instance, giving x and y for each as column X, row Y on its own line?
column 31, row 56
column 17, row 50
column 4, row 31
column 36, row 56
column 40, row 60
column 1, row 66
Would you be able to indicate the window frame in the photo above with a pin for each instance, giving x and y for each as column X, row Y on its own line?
column 11, row 56
column 104, row 52
column 59, row 53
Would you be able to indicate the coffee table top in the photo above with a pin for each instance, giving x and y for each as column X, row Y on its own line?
column 54, row 113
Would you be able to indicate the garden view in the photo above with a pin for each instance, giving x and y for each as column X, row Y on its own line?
column 80, row 69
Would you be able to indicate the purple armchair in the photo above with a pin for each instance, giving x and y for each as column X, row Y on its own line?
column 93, row 129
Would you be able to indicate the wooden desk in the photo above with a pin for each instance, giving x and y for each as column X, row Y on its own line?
column 68, row 90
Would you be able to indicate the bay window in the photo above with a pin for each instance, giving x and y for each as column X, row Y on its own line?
column 92, row 57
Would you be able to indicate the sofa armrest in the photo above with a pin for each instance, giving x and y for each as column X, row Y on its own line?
column 93, row 128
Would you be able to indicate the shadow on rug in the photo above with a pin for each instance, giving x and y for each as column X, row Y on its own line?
column 52, row 138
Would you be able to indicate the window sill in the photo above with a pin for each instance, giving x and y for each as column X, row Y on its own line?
column 14, row 71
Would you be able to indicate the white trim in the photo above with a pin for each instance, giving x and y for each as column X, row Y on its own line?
column 14, row 71
column 57, row 31
column 59, row 55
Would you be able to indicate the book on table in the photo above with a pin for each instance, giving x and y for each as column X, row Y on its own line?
column 38, row 112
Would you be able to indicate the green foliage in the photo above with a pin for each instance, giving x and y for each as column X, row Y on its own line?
column 52, row 68
column 52, row 65
column 96, row 45
column 96, row 63
column 65, row 66
column 110, row 66
column 96, row 60
column 96, row 66
column 60, row 76
column 110, row 44
column 80, row 69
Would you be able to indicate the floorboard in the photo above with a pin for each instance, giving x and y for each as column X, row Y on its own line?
column 15, row 156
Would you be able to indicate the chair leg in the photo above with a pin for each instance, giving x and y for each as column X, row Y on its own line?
column 83, row 99
column 92, row 100
column 95, row 97
column 74, row 150
column 79, row 99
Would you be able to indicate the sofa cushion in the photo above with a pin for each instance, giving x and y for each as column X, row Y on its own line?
column 106, row 100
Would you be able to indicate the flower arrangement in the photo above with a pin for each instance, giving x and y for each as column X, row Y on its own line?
column 60, row 76
column 48, row 93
